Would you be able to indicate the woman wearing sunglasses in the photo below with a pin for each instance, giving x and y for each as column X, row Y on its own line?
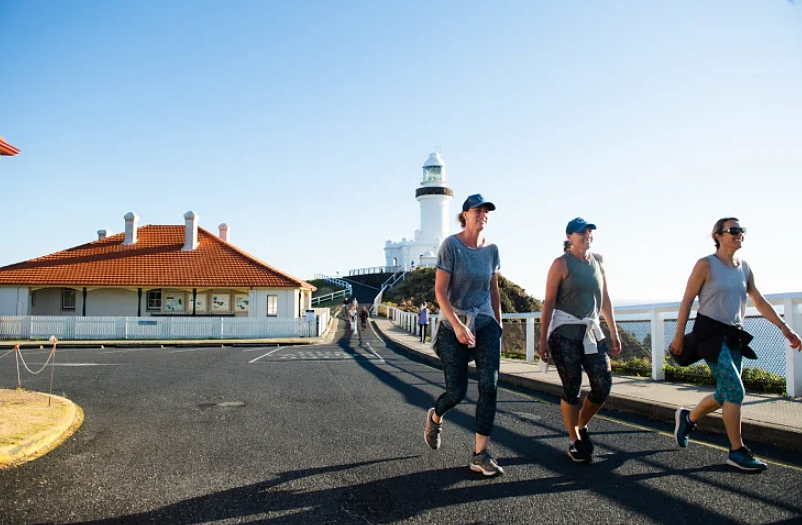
column 576, row 293
column 722, row 282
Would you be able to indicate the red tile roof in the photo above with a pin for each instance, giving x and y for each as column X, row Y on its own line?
column 155, row 260
column 6, row 148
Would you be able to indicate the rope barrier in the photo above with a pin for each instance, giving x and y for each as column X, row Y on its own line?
column 21, row 358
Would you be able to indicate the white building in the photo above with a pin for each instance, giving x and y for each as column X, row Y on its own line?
column 434, row 198
column 153, row 270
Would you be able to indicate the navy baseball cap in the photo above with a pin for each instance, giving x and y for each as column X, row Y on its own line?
column 476, row 200
column 577, row 225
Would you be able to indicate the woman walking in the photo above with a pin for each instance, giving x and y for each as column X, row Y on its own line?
column 576, row 293
column 722, row 282
column 466, row 288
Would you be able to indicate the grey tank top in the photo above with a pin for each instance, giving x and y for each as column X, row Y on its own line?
column 723, row 296
column 580, row 293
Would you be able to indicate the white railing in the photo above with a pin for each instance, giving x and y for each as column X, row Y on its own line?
column 374, row 269
column 14, row 327
column 391, row 281
column 345, row 293
column 788, row 305
column 336, row 281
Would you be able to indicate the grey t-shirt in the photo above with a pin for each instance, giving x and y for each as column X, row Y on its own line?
column 723, row 296
column 471, row 271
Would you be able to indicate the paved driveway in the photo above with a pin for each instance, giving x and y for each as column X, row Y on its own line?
column 333, row 434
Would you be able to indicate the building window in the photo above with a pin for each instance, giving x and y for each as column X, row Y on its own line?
column 68, row 299
column 154, row 300
column 272, row 305
column 33, row 299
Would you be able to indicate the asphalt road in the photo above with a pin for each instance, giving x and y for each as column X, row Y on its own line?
column 333, row 434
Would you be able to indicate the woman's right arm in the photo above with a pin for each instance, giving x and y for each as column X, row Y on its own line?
column 441, row 281
column 699, row 275
column 555, row 277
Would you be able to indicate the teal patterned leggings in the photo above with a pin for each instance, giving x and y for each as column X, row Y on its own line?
column 727, row 371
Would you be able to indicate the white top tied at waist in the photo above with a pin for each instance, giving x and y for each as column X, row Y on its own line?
column 470, row 320
column 593, row 332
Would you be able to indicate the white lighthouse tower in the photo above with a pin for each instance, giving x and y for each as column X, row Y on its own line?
column 434, row 198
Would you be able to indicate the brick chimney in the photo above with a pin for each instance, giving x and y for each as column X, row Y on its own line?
column 190, row 231
column 224, row 229
column 131, row 219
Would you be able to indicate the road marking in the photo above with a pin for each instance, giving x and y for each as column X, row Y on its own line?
column 267, row 354
column 129, row 350
column 374, row 353
column 258, row 349
column 194, row 350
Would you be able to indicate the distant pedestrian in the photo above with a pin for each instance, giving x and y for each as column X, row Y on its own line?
column 352, row 314
column 363, row 317
column 722, row 282
column 466, row 287
column 423, row 321
column 576, row 293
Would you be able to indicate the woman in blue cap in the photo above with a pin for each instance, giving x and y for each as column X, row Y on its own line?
column 722, row 282
column 466, row 288
column 576, row 293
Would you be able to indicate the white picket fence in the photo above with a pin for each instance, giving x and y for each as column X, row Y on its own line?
column 37, row 327
column 789, row 305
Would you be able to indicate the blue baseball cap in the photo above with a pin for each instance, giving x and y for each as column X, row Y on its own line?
column 577, row 225
column 476, row 200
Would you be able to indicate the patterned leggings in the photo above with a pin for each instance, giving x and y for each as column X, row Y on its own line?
column 455, row 357
column 569, row 357
column 727, row 371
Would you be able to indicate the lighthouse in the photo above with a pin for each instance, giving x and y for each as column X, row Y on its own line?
column 434, row 197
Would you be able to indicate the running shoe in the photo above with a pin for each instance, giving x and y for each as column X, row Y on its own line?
column 745, row 460
column 584, row 439
column 483, row 462
column 431, row 434
column 578, row 454
column 683, row 426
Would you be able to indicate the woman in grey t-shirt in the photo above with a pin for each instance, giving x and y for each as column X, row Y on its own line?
column 722, row 281
column 466, row 287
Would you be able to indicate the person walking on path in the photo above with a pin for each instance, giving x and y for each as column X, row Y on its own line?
column 363, row 318
column 352, row 314
column 423, row 320
column 576, row 293
column 722, row 282
column 466, row 287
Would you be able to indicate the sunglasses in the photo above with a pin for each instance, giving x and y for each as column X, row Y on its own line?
column 735, row 230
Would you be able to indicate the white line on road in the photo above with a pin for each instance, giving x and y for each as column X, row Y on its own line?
column 374, row 353
column 194, row 350
column 130, row 350
column 267, row 354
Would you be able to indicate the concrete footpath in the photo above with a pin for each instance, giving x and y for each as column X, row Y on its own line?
column 767, row 418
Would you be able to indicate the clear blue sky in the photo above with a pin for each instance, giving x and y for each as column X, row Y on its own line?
column 303, row 125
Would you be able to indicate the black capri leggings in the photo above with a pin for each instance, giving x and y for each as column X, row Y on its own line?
column 569, row 357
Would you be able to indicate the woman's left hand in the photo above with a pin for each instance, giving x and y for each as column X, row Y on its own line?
column 616, row 349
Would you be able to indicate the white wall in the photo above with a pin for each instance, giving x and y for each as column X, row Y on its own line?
column 109, row 301
column 288, row 302
column 48, row 302
column 14, row 300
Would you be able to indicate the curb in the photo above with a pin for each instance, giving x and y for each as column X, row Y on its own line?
column 45, row 441
column 776, row 435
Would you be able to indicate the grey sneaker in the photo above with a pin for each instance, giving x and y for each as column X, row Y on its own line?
column 431, row 434
column 483, row 462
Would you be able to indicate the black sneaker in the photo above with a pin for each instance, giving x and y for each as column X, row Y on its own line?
column 483, row 462
column 683, row 426
column 578, row 454
column 584, row 440
column 431, row 434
